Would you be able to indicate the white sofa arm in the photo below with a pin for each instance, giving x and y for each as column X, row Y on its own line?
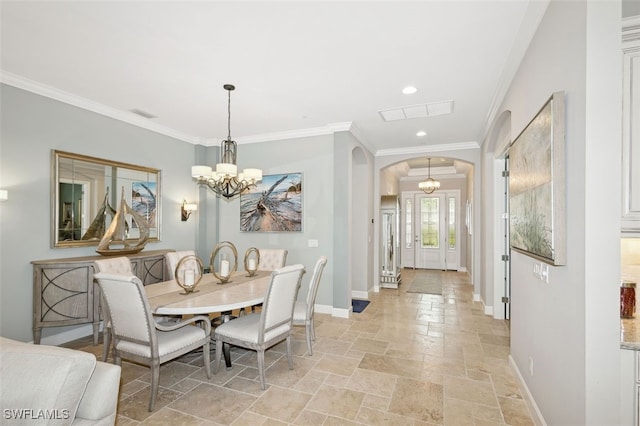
column 99, row 402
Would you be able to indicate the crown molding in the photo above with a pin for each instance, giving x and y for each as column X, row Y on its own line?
column 135, row 120
column 528, row 27
column 329, row 129
column 80, row 102
column 428, row 149
column 418, row 178
column 631, row 28
column 357, row 133
column 424, row 171
column 630, row 22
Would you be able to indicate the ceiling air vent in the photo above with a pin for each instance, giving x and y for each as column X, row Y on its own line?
column 417, row 111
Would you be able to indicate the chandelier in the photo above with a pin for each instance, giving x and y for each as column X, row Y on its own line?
column 225, row 181
column 429, row 185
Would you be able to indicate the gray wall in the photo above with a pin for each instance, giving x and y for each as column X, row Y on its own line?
column 569, row 328
column 313, row 157
column 31, row 127
column 630, row 8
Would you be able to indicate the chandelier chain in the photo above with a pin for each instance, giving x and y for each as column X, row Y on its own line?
column 229, row 114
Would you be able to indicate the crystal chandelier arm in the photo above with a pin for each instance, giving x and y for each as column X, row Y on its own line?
column 229, row 188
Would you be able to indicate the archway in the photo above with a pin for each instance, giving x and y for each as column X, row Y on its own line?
column 458, row 179
column 495, row 244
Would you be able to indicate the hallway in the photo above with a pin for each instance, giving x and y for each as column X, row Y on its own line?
column 409, row 358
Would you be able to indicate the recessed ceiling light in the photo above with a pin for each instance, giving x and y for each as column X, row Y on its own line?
column 409, row 90
column 421, row 133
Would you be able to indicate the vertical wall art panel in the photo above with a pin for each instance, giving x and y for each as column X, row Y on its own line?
column 274, row 205
column 537, row 185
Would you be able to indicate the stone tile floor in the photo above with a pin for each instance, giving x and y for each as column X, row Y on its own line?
column 408, row 359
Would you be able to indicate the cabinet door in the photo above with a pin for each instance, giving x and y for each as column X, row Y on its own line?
column 631, row 137
column 63, row 294
column 150, row 270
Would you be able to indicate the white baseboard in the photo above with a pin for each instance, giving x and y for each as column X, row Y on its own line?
column 334, row 312
column 477, row 298
column 488, row 310
column 360, row 295
column 534, row 411
column 342, row 313
column 323, row 309
column 66, row 336
column 462, row 269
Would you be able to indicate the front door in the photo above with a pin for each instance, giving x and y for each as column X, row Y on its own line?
column 435, row 230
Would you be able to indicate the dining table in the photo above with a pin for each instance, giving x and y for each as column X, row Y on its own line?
column 210, row 296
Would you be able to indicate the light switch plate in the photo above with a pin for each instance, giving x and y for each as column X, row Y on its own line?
column 313, row 243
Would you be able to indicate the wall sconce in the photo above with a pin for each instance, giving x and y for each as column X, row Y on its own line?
column 4, row 195
column 186, row 209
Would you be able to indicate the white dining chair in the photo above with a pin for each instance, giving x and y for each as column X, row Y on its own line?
column 303, row 310
column 260, row 331
column 172, row 258
column 139, row 338
column 270, row 259
column 112, row 265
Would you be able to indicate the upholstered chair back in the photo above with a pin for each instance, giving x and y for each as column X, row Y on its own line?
column 277, row 309
column 131, row 318
column 111, row 265
column 114, row 265
column 314, row 284
column 303, row 311
column 173, row 257
column 271, row 259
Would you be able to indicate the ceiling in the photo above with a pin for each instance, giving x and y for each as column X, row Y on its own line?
column 300, row 68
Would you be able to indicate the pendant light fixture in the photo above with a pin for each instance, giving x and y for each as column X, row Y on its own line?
column 225, row 181
column 429, row 185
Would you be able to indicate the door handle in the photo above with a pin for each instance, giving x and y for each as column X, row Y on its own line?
column 416, row 239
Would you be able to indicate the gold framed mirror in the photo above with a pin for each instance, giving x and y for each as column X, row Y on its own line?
column 86, row 191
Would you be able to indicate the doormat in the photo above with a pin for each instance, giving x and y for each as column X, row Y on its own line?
column 426, row 287
column 359, row 305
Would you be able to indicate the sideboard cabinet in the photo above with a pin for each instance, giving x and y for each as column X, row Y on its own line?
column 64, row 292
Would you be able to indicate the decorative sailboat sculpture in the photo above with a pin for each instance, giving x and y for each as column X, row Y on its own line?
column 99, row 224
column 115, row 241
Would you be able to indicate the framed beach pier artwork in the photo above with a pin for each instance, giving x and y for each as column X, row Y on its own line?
column 273, row 205
column 537, row 186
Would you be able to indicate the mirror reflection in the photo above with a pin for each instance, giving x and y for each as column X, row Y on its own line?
column 88, row 190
